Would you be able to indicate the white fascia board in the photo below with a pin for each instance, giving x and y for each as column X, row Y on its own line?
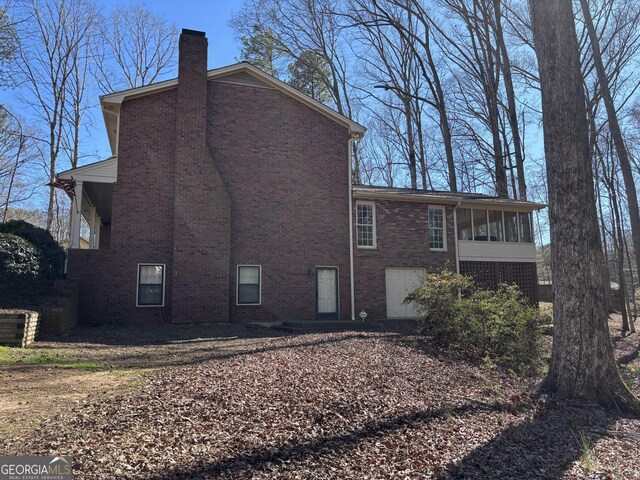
column 104, row 171
column 498, row 204
column 117, row 98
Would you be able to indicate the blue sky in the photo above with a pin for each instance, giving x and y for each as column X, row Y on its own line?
column 211, row 17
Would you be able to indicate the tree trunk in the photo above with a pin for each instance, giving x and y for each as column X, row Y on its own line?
column 616, row 132
column 583, row 366
column 411, row 144
column 511, row 102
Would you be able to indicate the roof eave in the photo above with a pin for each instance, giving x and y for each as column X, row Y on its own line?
column 117, row 98
column 447, row 200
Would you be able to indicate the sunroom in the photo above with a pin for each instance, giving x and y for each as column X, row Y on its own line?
column 495, row 234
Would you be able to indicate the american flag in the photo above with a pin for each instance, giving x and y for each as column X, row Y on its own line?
column 69, row 186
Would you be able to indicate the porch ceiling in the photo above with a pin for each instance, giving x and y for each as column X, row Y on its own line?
column 100, row 196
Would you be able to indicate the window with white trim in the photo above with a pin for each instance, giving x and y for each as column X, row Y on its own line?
column 366, row 224
column 249, row 285
column 437, row 229
column 150, row 285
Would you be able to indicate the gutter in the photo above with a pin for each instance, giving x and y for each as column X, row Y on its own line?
column 351, row 276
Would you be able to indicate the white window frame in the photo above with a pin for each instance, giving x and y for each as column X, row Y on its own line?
column 259, row 267
column 444, row 227
column 373, row 213
column 164, row 282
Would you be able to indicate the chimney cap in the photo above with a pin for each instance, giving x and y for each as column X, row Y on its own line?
column 195, row 33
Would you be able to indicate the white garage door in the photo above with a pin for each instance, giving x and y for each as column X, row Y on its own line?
column 401, row 281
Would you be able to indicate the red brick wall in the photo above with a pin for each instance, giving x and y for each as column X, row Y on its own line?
column 285, row 168
column 402, row 241
column 201, row 215
column 286, row 171
column 105, row 237
column 142, row 213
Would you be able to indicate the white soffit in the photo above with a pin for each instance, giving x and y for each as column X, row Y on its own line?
column 104, row 171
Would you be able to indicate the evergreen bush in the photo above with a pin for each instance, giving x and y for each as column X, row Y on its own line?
column 51, row 254
column 499, row 324
column 19, row 263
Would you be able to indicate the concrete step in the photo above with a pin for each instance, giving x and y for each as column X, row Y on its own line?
column 303, row 326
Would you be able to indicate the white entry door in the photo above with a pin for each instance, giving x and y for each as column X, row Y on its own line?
column 327, row 293
column 400, row 281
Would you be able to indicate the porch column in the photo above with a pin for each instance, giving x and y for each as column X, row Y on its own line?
column 92, row 227
column 76, row 216
column 97, row 237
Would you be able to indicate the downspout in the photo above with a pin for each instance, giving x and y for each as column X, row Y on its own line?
column 455, row 236
column 351, row 276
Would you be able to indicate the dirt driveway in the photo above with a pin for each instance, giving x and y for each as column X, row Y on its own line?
column 58, row 372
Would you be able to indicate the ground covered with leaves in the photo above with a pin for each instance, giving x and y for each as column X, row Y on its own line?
column 339, row 405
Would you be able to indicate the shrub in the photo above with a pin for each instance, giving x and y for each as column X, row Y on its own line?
column 500, row 324
column 19, row 262
column 437, row 299
column 51, row 254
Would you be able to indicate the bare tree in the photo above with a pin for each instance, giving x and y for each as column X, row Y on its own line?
column 138, row 48
column 472, row 48
column 300, row 26
column 582, row 364
column 412, row 23
column 51, row 36
column 615, row 129
column 505, row 66
column 389, row 63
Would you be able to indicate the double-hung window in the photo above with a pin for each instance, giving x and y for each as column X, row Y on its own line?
column 150, row 285
column 366, row 224
column 437, row 232
column 249, row 291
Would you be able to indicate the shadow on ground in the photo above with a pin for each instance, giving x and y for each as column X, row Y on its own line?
column 182, row 345
column 543, row 448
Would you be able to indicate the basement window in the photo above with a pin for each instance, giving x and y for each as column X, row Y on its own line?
column 151, row 278
column 249, row 285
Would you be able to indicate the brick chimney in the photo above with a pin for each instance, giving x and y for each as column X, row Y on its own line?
column 202, row 213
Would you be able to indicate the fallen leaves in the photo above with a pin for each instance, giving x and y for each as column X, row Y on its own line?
column 335, row 405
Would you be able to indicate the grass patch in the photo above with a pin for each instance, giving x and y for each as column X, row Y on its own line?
column 586, row 449
column 60, row 359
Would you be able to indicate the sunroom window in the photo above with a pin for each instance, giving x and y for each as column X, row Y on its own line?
column 495, row 226
column 511, row 226
column 463, row 219
column 482, row 225
column 526, row 232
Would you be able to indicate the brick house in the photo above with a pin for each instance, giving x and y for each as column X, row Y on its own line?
column 228, row 198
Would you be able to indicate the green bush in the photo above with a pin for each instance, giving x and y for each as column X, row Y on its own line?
column 19, row 262
column 51, row 254
column 499, row 324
